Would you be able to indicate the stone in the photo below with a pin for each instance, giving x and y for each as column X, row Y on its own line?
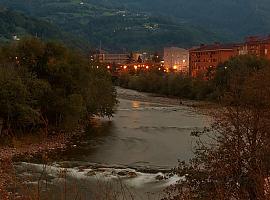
column 122, row 173
column 91, row 173
column 159, row 177
column 132, row 174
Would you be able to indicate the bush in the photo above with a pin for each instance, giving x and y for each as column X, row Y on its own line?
column 167, row 84
column 46, row 83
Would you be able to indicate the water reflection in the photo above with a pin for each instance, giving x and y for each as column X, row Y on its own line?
column 144, row 137
column 135, row 104
column 153, row 135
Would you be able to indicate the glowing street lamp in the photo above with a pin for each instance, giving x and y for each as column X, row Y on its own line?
column 125, row 67
column 147, row 67
column 135, row 67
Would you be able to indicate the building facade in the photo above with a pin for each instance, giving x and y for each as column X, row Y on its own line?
column 113, row 58
column 206, row 57
column 210, row 56
column 176, row 59
column 258, row 46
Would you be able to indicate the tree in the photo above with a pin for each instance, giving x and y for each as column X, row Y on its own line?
column 235, row 163
column 130, row 58
column 139, row 59
column 52, row 84
column 240, row 66
column 19, row 99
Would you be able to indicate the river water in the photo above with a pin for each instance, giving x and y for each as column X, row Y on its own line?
column 136, row 148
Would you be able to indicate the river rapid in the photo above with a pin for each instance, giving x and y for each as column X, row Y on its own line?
column 133, row 152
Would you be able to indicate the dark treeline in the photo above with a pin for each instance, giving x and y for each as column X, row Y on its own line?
column 211, row 87
column 168, row 84
column 45, row 85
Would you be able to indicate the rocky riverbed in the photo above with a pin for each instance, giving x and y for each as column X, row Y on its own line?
column 133, row 153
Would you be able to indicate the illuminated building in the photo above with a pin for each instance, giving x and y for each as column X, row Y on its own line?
column 176, row 59
column 258, row 46
column 209, row 56
column 112, row 58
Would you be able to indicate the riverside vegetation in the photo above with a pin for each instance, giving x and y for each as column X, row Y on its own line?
column 208, row 86
column 46, row 90
column 48, row 85
column 234, row 165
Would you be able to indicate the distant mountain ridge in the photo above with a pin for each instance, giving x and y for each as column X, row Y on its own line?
column 121, row 25
column 115, row 27
column 236, row 18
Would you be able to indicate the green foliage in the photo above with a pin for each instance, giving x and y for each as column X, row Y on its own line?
column 234, row 72
column 222, row 17
column 115, row 27
column 237, row 70
column 19, row 97
column 168, row 84
column 47, row 83
column 16, row 23
column 232, row 156
column 145, row 24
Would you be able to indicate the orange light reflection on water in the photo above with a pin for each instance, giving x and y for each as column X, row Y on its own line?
column 136, row 104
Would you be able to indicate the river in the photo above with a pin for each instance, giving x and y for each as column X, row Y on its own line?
column 137, row 148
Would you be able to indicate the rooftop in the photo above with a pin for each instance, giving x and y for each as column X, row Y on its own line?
column 212, row 47
column 261, row 39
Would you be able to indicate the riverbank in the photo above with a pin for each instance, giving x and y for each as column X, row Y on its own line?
column 137, row 149
column 134, row 95
column 28, row 147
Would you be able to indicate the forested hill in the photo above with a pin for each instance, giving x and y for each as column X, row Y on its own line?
column 151, row 24
column 116, row 27
column 233, row 18
column 15, row 23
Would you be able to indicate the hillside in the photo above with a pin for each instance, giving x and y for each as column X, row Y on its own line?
column 115, row 27
column 145, row 24
column 15, row 23
column 234, row 18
